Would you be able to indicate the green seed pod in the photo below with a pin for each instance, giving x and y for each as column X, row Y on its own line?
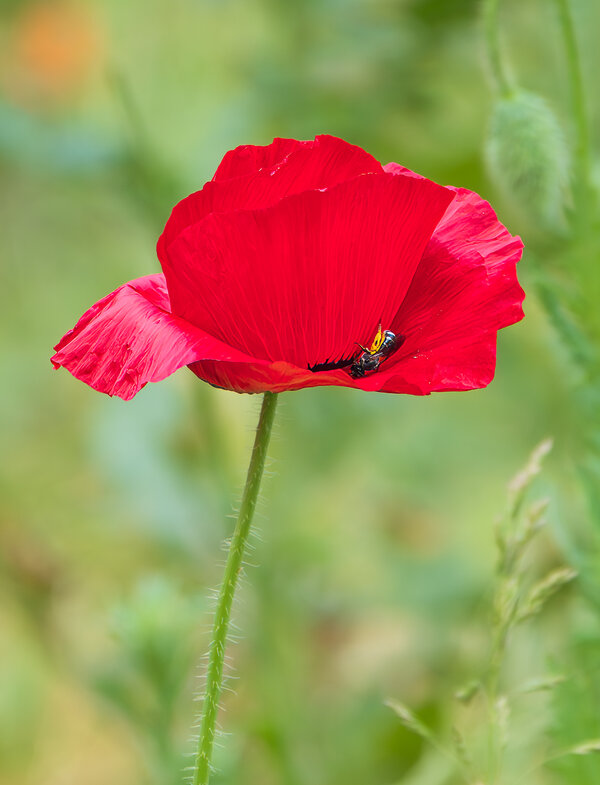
column 527, row 156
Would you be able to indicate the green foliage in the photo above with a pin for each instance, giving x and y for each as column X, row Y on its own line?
column 575, row 727
column 154, row 636
column 514, row 600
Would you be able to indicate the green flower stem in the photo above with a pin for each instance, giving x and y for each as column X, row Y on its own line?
column 233, row 566
column 492, row 38
column 582, row 150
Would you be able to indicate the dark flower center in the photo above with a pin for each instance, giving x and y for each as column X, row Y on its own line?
column 330, row 366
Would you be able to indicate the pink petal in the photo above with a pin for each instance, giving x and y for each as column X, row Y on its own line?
column 130, row 338
column 305, row 279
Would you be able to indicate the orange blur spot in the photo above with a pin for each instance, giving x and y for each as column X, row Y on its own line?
column 55, row 44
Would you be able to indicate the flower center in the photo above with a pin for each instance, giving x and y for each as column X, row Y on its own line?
column 330, row 366
column 384, row 344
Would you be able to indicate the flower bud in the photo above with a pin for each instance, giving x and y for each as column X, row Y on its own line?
column 527, row 155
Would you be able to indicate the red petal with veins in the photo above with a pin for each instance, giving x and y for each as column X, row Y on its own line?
column 464, row 290
column 304, row 280
column 291, row 254
column 130, row 338
column 249, row 158
column 264, row 176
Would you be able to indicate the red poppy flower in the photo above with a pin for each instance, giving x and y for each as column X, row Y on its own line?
column 292, row 255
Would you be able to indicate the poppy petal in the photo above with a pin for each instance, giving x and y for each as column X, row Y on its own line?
column 321, row 163
column 257, row 376
column 130, row 338
column 249, row 158
column 279, row 376
column 466, row 284
column 465, row 364
column 394, row 168
column 307, row 278
column 469, row 366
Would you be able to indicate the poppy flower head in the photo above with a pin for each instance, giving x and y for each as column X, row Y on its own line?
column 294, row 258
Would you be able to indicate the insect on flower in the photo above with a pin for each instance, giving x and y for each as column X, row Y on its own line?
column 275, row 267
column 385, row 343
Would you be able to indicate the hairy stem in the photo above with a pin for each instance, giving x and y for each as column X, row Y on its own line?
column 494, row 52
column 233, row 566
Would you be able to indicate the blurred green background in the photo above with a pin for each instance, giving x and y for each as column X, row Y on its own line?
column 375, row 550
